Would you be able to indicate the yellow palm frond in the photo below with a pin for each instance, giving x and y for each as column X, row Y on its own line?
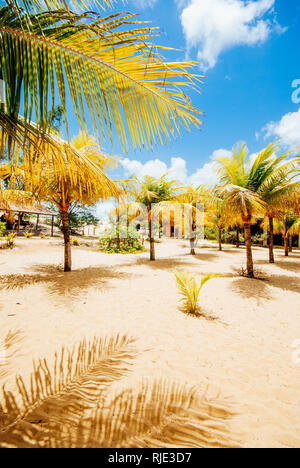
column 114, row 70
column 190, row 290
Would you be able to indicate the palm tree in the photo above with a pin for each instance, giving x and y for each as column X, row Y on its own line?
column 276, row 192
column 288, row 226
column 106, row 64
column 217, row 217
column 152, row 193
column 83, row 181
column 242, row 181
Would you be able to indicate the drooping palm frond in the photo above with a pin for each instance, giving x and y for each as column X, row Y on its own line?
column 62, row 396
column 88, row 146
column 48, row 161
column 109, row 64
column 190, row 290
column 15, row 197
column 242, row 203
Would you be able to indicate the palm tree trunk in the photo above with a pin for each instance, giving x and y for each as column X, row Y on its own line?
column 237, row 237
column 193, row 238
column 220, row 239
column 67, row 240
column 250, row 267
column 192, row 243
column 152, row 243
column 286, row 246
column 271, row 240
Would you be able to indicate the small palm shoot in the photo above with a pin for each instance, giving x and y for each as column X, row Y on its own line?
column 190, row 290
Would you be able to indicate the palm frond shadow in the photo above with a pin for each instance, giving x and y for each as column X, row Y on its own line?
column 74, row 386
column 73, row 405
column 8, row 349
column 60, row 283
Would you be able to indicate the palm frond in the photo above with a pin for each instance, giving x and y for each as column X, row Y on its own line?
column 242, row 203
column 47, row 160
column 190, row 290
column 116, row 71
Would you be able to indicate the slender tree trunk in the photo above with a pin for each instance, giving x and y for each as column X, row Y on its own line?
column 286, row 246
column 67, row 239
column 271, row 240
column 152, row 243
column 237, row 237
column 220, row 239
column 248, row 242
column 193, row 237
column 291, row 244
column 192, row 243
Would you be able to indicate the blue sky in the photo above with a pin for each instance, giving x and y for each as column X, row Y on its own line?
column 250, row 55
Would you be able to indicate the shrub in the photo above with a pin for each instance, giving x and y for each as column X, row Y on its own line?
column 190, row 290
column 28, row 235
column 2, row 228
column 42, row 236
column 229, row 237
column 75, row 242
column 259, row 239
column 111, row 243
column 10, row 240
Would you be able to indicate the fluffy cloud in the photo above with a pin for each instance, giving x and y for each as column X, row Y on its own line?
column 287, row 129
column 176, row 170
column 217, row 25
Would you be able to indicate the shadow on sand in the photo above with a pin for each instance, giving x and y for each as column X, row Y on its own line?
column 258, row 288
column 164, row 263
column 251, row 288
column 58, row 282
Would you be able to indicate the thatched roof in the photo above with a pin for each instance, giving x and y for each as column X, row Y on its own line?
column 32, row 208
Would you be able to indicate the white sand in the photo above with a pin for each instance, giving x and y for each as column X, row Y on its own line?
column 246, row 353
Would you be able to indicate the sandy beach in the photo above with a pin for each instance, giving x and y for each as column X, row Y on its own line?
column 242, row 351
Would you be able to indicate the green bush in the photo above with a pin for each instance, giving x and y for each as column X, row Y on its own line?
column 10, row 240
column 259, row 239
column 114, row 241
column 229, row 237
column 2, row 228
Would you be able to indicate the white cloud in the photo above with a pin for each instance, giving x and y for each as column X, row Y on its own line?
column 214, row 26
column 287, row 129
column 103, row 209
column 176, row 170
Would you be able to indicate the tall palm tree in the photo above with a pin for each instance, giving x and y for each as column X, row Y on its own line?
column 84, row 182
column 106, row 65
column 242, row 180
column 276, row 192
column 152, row 193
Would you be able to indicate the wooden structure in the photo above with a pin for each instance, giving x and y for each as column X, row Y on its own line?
column 33, row 209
